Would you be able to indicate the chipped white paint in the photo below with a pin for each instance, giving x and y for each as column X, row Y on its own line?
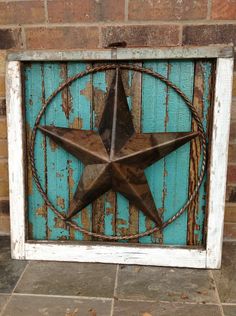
column 156, row 256
column 218, row 160
column 124, row 254
column 16, row 158
column 126, row 53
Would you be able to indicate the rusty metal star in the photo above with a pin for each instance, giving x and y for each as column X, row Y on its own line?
column 116, row 156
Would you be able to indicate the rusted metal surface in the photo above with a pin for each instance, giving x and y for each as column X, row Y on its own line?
column 122, row 161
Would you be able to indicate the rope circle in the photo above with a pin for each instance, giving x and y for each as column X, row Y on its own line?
column 102, row 68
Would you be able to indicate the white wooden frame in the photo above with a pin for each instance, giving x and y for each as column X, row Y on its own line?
column 209, row 257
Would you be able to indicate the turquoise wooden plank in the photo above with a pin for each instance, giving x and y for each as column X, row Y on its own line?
column 177, row 163
column 33, row 102
column 153, row 120
column 57, row 185
column 80, row 117
column 200, row 217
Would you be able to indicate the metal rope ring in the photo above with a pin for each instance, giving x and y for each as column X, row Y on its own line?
column 102, row 68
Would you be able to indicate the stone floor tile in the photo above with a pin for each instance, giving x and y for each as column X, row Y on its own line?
column 73, row 279
column 165, row 284
column 10, row 272
column 225, row 278
column 56, row 306
column 131, row 308
column 5, row 251
column 3, row 301
column 229, row 310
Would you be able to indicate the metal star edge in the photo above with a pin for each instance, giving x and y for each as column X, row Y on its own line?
column 116, row 156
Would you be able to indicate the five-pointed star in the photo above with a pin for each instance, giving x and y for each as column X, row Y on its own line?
column 116, row 156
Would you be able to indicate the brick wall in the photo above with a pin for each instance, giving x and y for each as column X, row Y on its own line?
column 68, row 24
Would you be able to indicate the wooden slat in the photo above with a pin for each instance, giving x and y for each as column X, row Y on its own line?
column 153, row 120
column 177, row 163
column 201, row 100
column 57, row 185
column 34, row 96
column 80, row 95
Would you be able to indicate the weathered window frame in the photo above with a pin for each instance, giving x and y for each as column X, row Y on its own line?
column 209, row 257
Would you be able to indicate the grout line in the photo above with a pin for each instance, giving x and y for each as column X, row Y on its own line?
column 20, row 278
column 63, row 296
column 10, row 296
column 168, row 302
column 229, row 304
column 115, row 290
column 181, row 35
column 216, row 292
column 5, row 305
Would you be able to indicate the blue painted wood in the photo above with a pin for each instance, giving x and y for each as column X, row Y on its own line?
column 176, row 170
column 80, row 95
column 153, row 120
column 162, row 110
column 33, row 101
column 57, row 179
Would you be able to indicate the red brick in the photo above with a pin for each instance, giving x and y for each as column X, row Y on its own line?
column 209, row 34
column 3, row 128
column 22, row 12
column 2, row 107
column 224, row 9
column 232, row 153
column 3, row 148
column 62, row 37
column 10, row 38
column 231, row 194
column 231, row 178
column 85, row 11
column 141, row 35
column 167, row 9
column 232, row 135
column 233, row 112
column 230, row 230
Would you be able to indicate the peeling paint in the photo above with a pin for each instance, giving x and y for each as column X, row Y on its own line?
column 61, row 202
column 41, row 211
column 77, row 123
column 53, row 145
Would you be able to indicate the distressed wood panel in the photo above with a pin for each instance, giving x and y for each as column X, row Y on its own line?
column 155, row 108
column 34, row 96
column 202, row 101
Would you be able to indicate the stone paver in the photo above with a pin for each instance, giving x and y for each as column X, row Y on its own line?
column 10, row 272
column 5, row 252
column 165, row 284
column 126, row 308
column 73, row 279
column 3, row 300
column 229, row 310
column 55, row 306
column 226, row 277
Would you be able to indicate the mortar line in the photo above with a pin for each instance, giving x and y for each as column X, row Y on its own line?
column 123, row 24
column 216, row 292
column 126, row 10
column 46, row 11
column 23, row 37
column 115, row 290
column 209, row 7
